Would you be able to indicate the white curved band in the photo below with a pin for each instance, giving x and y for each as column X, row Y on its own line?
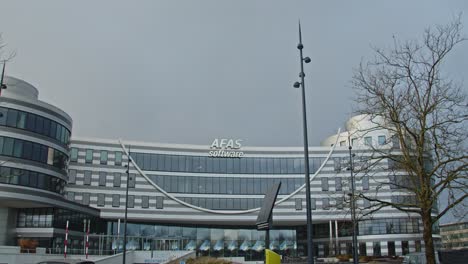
column 225, row 212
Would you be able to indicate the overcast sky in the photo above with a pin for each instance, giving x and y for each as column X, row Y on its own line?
column 192, row 71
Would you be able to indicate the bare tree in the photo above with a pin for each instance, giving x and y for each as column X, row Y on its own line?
column 405, row 91
column 5, row 57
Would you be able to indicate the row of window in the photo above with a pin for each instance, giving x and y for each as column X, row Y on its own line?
column 103, row 176
column 209, row 203
column 368, row 141
column 212, row 185
column 389, row 226
column 55, row 217
column 103, row 156
column 182, row 163
column 23, row 149
column 31, row 179
column 453, row 227
column 34, row 123
column 101, row 200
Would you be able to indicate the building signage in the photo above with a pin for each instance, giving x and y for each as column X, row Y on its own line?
column 226, row 148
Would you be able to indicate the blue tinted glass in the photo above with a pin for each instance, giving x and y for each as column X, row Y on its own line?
column 53, row 128
column 46, row 130
column 39, row 124
column 27, row 150
column 11, row 118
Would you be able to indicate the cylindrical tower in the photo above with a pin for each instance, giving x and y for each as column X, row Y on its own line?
column 34, row 154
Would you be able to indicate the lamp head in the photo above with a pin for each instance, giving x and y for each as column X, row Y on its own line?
column 297, row 85
column 307, row 60
column 300, row 46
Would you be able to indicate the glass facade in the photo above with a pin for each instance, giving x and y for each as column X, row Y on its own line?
column 389, row 226
column 31, row 179
column 206, row 241
column 224, row 185
column 204, row 164
column 28, row 150
column 34, row 123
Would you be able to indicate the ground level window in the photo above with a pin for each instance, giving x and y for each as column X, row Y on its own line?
column 404, row 247
column 377, row 251
column 391, row 248
column 362, row 249
column 417, row 245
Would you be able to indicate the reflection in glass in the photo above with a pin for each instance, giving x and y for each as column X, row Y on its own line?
column 191, row 245
column 274, row 245
column 287, row 244
column 132, row 245
column 146, row 246
column 232, row 245
column 219, row 245
column 259, row 246
column 205, row 246
column 245, row 246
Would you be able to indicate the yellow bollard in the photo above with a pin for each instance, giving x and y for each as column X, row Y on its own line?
column 271, row 257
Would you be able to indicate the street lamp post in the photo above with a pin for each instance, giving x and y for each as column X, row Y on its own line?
column 310, row 257
column 126, row 208
column 353, row 206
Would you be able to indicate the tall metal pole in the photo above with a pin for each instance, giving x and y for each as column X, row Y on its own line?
column 310, row 255
column 126, row 207
column 2, row 86
column 353, row 206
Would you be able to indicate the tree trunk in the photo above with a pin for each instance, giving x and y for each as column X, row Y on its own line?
column 427, row 236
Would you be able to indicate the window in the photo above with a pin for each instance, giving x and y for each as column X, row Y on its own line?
column 101, row 199
column 102, row 178
column 11, row 118
column 395, row 142
column 377, row 251
column 144, row 202
column 343, row 143
column 3, row 115
column 391, row 248
column 365, row 183
column 87, row 177
column 324, row 184
column 89, row 156
column 71, row 176
column 353, row 141
column 131, row 201
column 160, row 202
column 405, row 247
column 298, row 204
column 338, row 184
column 366, row 204
column 115, row 200
column 103, row 157
column 362, row 249
column 21, row 121
column 132, row 180
column 368, row 141
column 325, row 203
column 117, row 179
column 18, row 148
column 118, row 158
column 382, row 140
column 337, row 164
column 339, row 203
column 417, row 245
column 85, row 199
column 313, row 204
column 74, row 154
column 71, row 196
